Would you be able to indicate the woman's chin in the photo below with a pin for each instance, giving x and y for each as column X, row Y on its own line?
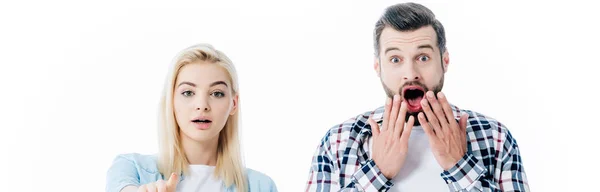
column 202, row 135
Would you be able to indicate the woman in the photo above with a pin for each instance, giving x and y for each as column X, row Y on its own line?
column 199, row 148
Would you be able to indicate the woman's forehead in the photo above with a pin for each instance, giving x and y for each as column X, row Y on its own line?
column 202, row 74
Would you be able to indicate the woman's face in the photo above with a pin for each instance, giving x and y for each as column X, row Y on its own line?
column 203, row 100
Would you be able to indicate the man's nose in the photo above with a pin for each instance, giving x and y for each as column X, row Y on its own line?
column 411, row 74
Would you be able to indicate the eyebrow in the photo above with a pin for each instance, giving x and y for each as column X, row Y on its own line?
column 186, row 83
column 218, row 83
column 425, row 46
column 391, row 49
column 194, row 85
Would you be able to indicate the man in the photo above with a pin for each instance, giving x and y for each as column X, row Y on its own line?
column 418, row 141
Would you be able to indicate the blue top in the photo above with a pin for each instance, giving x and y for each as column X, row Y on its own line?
column 136, row 169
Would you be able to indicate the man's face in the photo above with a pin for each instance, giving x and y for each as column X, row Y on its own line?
column 410, row 64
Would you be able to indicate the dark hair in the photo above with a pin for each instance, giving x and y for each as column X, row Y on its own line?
column 409, row 17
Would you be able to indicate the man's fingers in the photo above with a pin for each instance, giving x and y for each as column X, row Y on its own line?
column 426, row 126
column 437, row 109
column 434, row 123
column 393, row 114
column 172, row 182
column 407, row 130
column 374, row 126
column 446, row 107
column 399, row 124
column 386, row 113
column 463, row 122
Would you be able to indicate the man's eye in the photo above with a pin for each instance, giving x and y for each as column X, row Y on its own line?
column 395, row 60
column 187, row 93
column 424, row 58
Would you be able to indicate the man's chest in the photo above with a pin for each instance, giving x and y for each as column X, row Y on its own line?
column 420, row 171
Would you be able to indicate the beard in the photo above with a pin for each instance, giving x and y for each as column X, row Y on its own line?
column 436, row 89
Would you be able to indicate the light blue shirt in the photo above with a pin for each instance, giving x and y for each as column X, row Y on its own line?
column 136, row 169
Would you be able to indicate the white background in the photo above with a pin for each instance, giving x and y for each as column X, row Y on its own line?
column 81, row 81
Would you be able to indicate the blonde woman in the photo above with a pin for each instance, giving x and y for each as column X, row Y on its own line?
column 199, row 148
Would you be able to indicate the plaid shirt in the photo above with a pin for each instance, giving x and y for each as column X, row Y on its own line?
column 492, row 163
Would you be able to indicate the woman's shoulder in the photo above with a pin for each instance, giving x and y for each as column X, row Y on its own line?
column 141, row 161
column 258, row 181
column 131, row 169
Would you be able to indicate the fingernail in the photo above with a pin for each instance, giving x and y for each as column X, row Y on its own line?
column 440, row 95
column 388, row 101
column 396, row 97
column 424, row 102
column 430, row 94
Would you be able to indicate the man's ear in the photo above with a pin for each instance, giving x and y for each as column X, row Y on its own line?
column 235, row 105
column 377, row 66
column 445, row 60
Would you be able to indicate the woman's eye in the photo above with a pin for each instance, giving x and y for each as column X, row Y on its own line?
column 424, row 58
column 188, row 93
column 218, row 94
column 395, row 60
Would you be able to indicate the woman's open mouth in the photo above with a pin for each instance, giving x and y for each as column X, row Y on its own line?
column 202, row 123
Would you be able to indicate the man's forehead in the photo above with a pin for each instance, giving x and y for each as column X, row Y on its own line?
column 423, row 35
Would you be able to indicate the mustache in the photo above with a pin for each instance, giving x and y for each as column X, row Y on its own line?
column 412, row 83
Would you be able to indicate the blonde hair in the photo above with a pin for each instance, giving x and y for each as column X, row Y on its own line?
column 172, row 157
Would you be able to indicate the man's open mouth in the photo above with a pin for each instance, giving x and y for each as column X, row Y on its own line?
column 413, row 95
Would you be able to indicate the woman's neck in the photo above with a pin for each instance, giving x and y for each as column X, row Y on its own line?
column 200, row 153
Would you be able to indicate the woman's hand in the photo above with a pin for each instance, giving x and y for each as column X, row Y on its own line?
column 161, row 185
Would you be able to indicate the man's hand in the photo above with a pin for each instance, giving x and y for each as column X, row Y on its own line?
column 161, row 185
column 390, row 144
column 446, row 137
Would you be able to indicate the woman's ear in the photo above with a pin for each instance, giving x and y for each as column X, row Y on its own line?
column 235, row 105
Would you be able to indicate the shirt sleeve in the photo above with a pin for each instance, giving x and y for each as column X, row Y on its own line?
column 370, row 178
column 469, row 174
column 465, row 175
column 324, row 175
column 512, row 177
column 121, row 173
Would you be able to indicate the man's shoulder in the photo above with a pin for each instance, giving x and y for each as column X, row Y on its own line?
column 490, row 139
column 350, row 130
column 483, row 127
column 479, row 121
